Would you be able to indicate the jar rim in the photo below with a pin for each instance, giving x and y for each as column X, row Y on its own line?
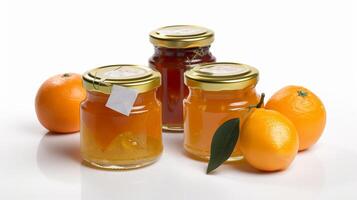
column 220, row 76
column 101, row 79
column 181, row 36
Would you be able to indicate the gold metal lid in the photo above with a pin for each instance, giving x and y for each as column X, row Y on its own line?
column 137, row 77
column 221, row 76
column 181, row 36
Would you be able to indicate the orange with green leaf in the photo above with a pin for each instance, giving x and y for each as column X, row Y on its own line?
column 293, row 120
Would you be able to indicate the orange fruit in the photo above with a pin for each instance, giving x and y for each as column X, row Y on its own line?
column 57, row 102
column 304, row 109
column 268, row 140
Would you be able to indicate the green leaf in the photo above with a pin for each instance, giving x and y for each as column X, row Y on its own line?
column 223, row 143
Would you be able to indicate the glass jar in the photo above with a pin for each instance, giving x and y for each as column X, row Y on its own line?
column 110, row 139
column 218, row 93
column 176, row 49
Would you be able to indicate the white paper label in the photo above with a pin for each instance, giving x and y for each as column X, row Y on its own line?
column 122, row 99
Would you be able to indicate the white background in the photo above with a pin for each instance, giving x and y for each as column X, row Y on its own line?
column 305, row 42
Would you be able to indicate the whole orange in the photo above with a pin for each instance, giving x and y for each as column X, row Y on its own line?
column 268, row 140
column 57, row 103
column 304, row 109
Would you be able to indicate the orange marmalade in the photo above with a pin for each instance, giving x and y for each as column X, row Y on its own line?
column 217, row 92
column 110, row 139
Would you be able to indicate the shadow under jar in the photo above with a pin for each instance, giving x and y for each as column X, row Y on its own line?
column 218, row 92
column 110, row 139
column 177, row 48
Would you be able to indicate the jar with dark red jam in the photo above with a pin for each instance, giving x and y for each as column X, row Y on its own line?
column 178, row 48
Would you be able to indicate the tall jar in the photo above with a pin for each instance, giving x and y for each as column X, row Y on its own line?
column 218, row 92
column 110, row 137
column 177, row 48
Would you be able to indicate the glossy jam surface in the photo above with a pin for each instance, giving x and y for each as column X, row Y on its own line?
column 172, row 63
column 112, row 140
column 205, row 111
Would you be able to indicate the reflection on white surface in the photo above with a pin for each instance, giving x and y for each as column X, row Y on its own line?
column 147, row 183
column 323, row 172
column 172, row 177
column 306, row 173
column 58, row 157
column 317, row 173
column 98, row 184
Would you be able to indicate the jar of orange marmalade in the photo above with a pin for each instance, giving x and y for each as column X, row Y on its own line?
column 176, row 49
column 110, row 139
column 218, row 93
